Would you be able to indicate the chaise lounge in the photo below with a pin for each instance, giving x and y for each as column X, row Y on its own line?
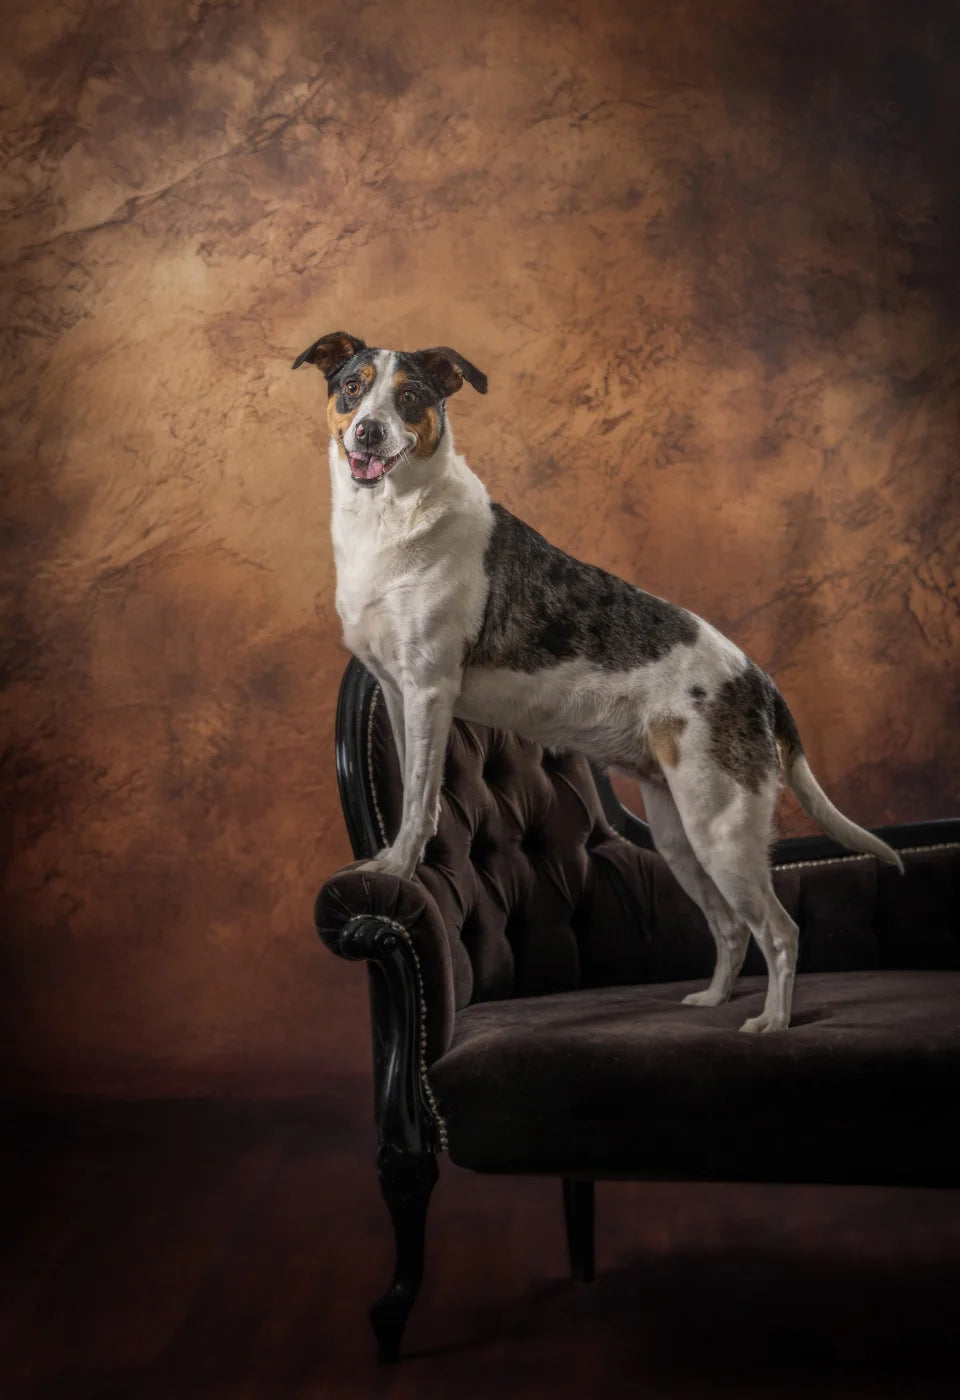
column 526, row 985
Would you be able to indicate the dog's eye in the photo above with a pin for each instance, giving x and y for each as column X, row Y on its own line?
column 409, row 396
column 352, row 386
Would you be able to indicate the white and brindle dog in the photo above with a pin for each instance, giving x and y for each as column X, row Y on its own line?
column 459, row 608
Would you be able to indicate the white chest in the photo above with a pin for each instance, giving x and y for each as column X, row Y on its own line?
column 411, row 587
column 372, row 599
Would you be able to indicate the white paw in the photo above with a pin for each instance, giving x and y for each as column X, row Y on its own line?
column 387, row 862
column 760, row 1025
column 705, row 998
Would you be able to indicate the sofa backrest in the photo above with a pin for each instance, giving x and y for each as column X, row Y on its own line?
column 540, row 894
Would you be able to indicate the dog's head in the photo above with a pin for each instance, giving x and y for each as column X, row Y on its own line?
column 386, row 406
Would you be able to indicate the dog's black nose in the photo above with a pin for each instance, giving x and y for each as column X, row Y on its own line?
column 371, row 432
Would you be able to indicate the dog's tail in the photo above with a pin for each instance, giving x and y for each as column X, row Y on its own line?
column 811, row 796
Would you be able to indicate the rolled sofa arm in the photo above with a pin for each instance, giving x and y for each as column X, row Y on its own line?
column 364, row 915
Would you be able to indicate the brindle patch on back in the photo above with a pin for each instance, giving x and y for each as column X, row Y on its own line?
column 419, row 413
column 741, row 717
column 544, row 607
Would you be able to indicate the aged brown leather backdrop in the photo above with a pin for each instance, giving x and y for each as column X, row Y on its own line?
column 707, row 254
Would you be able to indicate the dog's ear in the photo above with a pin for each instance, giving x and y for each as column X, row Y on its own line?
column 447, row 370
column 330, row 352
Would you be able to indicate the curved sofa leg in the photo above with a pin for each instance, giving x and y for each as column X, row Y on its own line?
column 406, row 1180
column 408, row 1129
column 578, row 1197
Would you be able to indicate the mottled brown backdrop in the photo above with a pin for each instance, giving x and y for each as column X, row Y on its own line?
column 708, row 256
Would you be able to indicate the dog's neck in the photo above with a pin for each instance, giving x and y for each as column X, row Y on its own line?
column 415, row 489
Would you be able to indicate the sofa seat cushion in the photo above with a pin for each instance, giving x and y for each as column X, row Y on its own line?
column 621, row 1081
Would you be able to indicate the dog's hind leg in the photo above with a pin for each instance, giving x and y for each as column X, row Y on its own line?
column 729, row 934
column 778, row 943
column 776, row 935
column 729, row 830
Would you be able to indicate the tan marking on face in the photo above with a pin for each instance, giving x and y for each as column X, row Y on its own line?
column 338, row 423
column 427, row 430
column 664, row 738
column 428, row 433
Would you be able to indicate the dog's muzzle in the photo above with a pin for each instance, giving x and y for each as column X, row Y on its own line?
column 368, row 470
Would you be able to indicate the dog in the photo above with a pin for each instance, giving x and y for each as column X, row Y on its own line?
column 460, row 609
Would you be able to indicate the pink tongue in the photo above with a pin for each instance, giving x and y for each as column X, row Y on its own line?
column 367, row 470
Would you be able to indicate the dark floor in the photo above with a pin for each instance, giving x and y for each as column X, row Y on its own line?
column 181, row 1250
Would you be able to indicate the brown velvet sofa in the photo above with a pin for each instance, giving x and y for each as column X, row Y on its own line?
column 526, row 985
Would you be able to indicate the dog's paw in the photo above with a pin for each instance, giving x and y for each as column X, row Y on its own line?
column 760, row 1025
column 386, row 862
column 705, row 998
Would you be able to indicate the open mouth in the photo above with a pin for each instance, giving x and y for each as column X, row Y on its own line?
column 367, row 470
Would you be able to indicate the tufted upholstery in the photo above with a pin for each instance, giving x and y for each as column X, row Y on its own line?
column 526, row 890
column 511, row 866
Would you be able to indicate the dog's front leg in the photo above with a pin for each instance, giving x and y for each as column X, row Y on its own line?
column 394, row 703
column 427, row 714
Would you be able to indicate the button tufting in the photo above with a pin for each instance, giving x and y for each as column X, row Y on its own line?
column 482, row 846
column 469, row 927
column 532, row 843
column 436, row 851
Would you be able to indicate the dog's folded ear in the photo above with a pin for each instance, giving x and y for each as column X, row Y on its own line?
column 330, row 352
column 446, row 369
